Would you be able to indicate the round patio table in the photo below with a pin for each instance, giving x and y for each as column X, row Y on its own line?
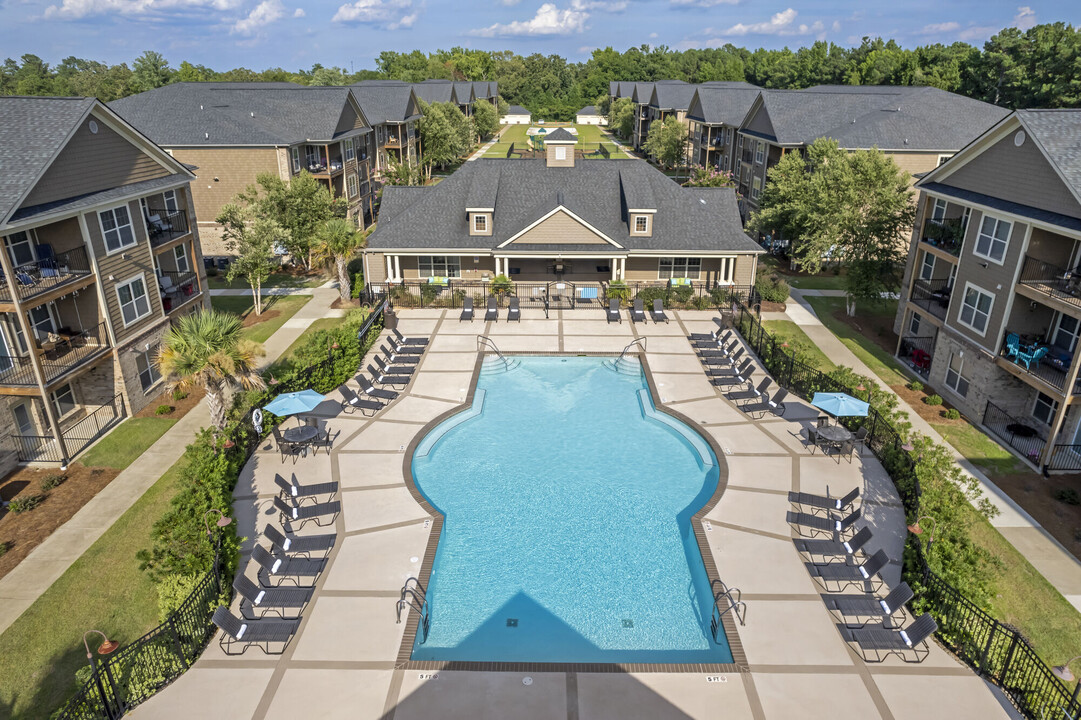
column 302, row 434
column 835, row 433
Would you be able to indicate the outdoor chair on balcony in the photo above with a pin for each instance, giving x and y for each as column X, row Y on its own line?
column 658, row 311
column 351, row 403
column 1013, row 346
column 299, row 493
column 817, row 524
column 322, row 513
column 403, row 340
column 613, row 311
column 858, row 610
column 833, row 550
column 514, row 311
column 467, row 310
column 638, row 311
column 491, row 312
column 369, row 389
column 256, row 602
column 274, row 570
column 261, row 633
column 394, row 358
column 1026, row 357
column 824, row 502
column 835, row 577
column 298, row 545
column 894, row 642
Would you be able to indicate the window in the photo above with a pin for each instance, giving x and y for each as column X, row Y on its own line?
column 914, row 324
column 938, row 212
column 756, row 188
column 976, row 308
column 7, row 360
column 311, row 156
column 943, row 158
column 116, row 228
column 134, row 303
column 993, row 238
column 480, row 223
column 965, row 217
column 63, row 400
column 680, row 267
column 21, row 247
column 727, row 273
column 180, row 255
column 759, row 152
column 169, row 196
column 955, row 378
column 439, row 266
column 148, row 369
column 22, row 419
column 641, row 224
column 561, row 153
column 41, row 321
column 347, row 149
column 296, row 160
column 927, row 269
column 352, row 187
column 1044, row 408
column 1069, row 328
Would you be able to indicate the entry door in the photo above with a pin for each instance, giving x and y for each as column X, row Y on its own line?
column 41, row 319
column 22, row 419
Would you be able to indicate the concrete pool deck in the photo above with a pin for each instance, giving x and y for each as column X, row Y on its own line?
column 342, row 662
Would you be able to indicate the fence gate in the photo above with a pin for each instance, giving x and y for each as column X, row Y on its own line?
column 561, row 295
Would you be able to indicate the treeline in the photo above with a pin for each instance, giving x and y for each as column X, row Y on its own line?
column 1038, row 67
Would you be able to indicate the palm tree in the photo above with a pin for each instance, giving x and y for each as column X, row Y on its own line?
column 204, row 349
column 338, row 240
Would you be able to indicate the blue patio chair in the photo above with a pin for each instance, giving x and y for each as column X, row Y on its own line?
column 1013, row 345
column 1032, row 357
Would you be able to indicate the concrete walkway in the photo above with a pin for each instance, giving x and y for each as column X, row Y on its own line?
column 487, row 146
column 1046, row 554
column 48, row 561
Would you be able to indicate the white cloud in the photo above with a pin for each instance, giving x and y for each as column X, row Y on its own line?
column 391, row 14
column 299, row 13
column 702, row 3
column 977, row 33
column 509, row 3
column 653, row 36
column 263, row 14
column 781, row 23
column 75, row 9
column 601, row 5
column 936, row 28
column 1025, row 18
column 549, row 20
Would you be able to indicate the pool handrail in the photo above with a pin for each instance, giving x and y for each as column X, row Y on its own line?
column 631, row 344
column 485, row 340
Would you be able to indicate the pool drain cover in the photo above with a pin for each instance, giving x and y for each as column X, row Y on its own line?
column 628, row 623
column 512, row 622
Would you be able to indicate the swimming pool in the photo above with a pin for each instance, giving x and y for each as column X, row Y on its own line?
column 567, row 501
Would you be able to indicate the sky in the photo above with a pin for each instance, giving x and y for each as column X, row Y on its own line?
column 296, row 34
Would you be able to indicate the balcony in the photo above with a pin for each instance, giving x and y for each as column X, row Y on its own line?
column 1032, row 359
column 1021, row 436
column 78, row 433
column 165, row 226
column 933, row 296
column 949, row 235
column 319, row 169
column 1051, row 281
column 69, row 352
column 393, row 143
column 177, row 288
column 917, row 352
column 50, row 272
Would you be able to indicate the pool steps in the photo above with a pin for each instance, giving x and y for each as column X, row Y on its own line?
column 450, row 423
column 705, row 456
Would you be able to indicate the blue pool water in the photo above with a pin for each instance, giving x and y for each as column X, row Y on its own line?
column 567, row 535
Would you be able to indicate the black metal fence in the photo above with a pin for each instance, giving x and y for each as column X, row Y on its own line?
column 1065, row 457
column 44, row 448
column 1055, row 281
column 1022, row 437
column 993, row 649
column 917, row 353
column 46, row 273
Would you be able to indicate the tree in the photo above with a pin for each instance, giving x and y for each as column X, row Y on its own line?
column 446, row 134
column 204, row 349
column 621, row 117
column 404, row 173
column 837, row 206
column 300, row 205
column 150, row 70
column 702, row 176
column 337, row 241
column 485, row 119
column 253, row 239
column 667, row 141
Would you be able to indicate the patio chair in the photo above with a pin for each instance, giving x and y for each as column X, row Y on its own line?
column 894, row 642
column 812, row 438
column 710, row 337
column 384, row 369
column 322, row 513
column 658, row 311
column 286, row 568
column 351, row 403
column 871, row 608
column 402, row 350
column 846, row 449
column 743, row 377
column 292, row 489
column 287, row 447
column 861, row 437
column 727, row 369
column 368, row 388
column 754, row 393
column 467, row 310
column 257, row 602
column 834, row 550
column 1032, row 357
column 514, row 312
column 403, row 340
column 392, row 380
column 491, row 312
column 261, row 633
column 818, row 524
column 843, row 574
column 638, row 311
column 765, row 404
column 394, row 358
column 1013, row 345
column 613, row 310
column 825, row 502
column 298, row 544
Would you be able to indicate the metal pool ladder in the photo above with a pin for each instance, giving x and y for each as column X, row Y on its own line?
column 624, row 367
column 483, row 341
column 725, row 599
column 413, row 597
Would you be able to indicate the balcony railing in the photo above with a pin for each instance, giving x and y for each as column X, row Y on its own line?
column 77, row 436
column 1051, row 280
column 1018, row 434
column 176, row 288
column 166, row 225
column 47, row 273
column 58, row 357
column 949, row 235
column 917, row 353
column 1051, row 366
column 933, row 296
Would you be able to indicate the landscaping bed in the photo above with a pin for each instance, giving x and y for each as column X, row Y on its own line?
column 286, row 277
column 180, row 407
column 276, row 310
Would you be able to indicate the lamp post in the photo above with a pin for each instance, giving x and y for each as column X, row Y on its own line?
column 1062, row 672
column 915, row 529
column 222, row 521
column 107, row 646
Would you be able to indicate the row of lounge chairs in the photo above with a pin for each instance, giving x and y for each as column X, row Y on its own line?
column 719, row 354
column 637, row 311
column 872, row 621
column 393, row 369
column 491, row 311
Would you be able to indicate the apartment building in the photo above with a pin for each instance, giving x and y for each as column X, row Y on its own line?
column 715, row 114
column 100, row 252
column 461, row 93
column 642, row 99
column 392, row 109
column 990, row 312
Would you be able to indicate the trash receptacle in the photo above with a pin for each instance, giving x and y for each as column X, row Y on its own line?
column 390, row 319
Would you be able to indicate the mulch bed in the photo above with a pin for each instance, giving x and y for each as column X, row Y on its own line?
column 180, row 407
column 350, row 304
column 768, row 306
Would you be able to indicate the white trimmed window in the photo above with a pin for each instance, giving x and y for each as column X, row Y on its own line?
column 180, row 256
column 347, row 149
column 756, row 188
column 927, row 268
column 993, row 239
column 148, row 369
column 976, row 308
column 680, row 267
column 955, row 377
column 727, row 272
column 480, row 223
column 561, row 153
column 296, row 160
column 21, row 247
column 134, row 303
column 1044, row 408
column 63, row 400
column 641, row 224
column 914, row 324
column 352, row 187
column 116, row 228
column 943, row 158
column 169, row 196
column 439, row 266
column 312, row 156
column 938, row 212
column 759, row 152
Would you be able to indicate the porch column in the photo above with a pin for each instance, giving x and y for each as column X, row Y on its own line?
column 623, row 268
column 498, row 262
column 1060, row 414
column 397, row 267
column 615, row 269
column 390, row 267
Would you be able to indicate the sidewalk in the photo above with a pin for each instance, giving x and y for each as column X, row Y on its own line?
column 48, row 561
column 486, row 146
column 1038, row 546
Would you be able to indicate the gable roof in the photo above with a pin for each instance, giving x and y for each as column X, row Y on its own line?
column 237, row 113
column 672, row 96
column 722, row 104
column 588, row 110
column 385, row 103
column 560, row 135
column 431, row 91
column 463, row 91
column 1058, row 135
column 517, row 110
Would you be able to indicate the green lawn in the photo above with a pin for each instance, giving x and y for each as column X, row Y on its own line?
column 881, row 362
column 285, row 305
column 320, row 324
column 587, row 134
column 102, row 590
column 979, row 449
column 126, row 442
column 790, row 332
column 829, row 281
column 218, row 282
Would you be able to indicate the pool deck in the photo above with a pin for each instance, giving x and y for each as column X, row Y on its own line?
column 342, row 662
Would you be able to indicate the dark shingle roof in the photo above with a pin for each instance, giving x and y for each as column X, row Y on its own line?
column 643, row 91
column 687, row 219
column 431, row 91
column 561, row 135
column 1058, row 132
column 672, row 96
column 588, row 110
column 517, row 110
column 482, row 89
column 1044, row 216
column 723, row 104
column 463, row 92
column 32, row 131
column 383, row 103
column 235, row 113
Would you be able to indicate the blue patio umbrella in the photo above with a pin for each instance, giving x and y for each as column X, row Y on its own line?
column 840, row 404
column 295, row 402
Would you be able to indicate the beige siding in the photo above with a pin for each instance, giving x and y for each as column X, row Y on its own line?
column 562, row 229
column 913, row 163
column 62, row 236
column 94, row 162
column 1051, row 248
column 234, row 168
column 488, row 224
column 377, row 268
column 349, row 120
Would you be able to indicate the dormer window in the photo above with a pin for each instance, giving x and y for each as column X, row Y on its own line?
column 641, row 223
column 480, row 223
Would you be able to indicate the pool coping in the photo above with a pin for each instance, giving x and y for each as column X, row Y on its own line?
column 405, row 662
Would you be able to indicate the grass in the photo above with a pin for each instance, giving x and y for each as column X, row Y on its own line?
column 320, row 324
column 516, row 134
column 979, row 449
column 823, row 281
column 104, row 590
column 242, row 305
column 126, row 442
column 881, row 362
column 218, row 282
column 790, row 332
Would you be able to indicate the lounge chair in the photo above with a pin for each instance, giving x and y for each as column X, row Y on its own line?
column 273, row 570
column 825, row 502
column 298, row 544
column 351, row 403
column 256, row 601
column 710, row 337
column 766, row 404
column 740, row 379
column 727, row 368
column 293, row 489
column 871, row 608
column 514, row 312
column 843, row 574
column 613, row 310
column 658, row 311
column 395, row 369
column 287, row 447
column 394, row 358
column 401, row 350
column 729, row 358
column 834, row 549
column 638, row 311
column 393, row 380
column 894, row 642
column 261, row 633
column 403, row 340
column 322, row 513
column 754, row 393
column 368, row 388
column 817, row 524
column 491, row 313
column 467, row 310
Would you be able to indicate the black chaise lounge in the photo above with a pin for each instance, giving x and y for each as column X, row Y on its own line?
column 613, row 311
column 721, row 357
column 368, row 388
column 400, row 349
column 273, row 570
column 298, row 544
column 638, row 311
column 742, row 376
column 766, row 404
column 403, row 340
column 710, row 340
column 514, row 311
column 385, row 369
column 491, row 312
column 824, row 502
column 257, row 602
column 841, row 575
column 261, row 633
column 392, row 380
column 394, row 358
column 351, row 403
column 467, row 310
column 754, row 393
column 322, row 513
column 705, row 337
column 883, row 641
column 658, row 311
column 858, row 610
column 821, row 524
column 834, row 549
column 291, row 488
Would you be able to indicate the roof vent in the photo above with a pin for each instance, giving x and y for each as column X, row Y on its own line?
column 702, row 200
column 253, row 114
column 206, row 135
column 200, row 107
column 906, row 141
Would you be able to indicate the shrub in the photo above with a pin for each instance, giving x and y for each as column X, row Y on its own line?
column 953, row 414
column 212, row 272
column 179, row 394
column 501, row 285
column 429, row 292
column 933, row 400
column 355, row 270
column 701, row 302
column 648, row 294
column 1068, row 496
column 24, row 503
column 172, row 590
column 51, row 482
column 4, row 547
column 915, row 386
column 619, row 290
column 164, row 409
column 772, row 288
column 681, row 294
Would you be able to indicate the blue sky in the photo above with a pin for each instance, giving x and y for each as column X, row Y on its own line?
column 297, row 33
